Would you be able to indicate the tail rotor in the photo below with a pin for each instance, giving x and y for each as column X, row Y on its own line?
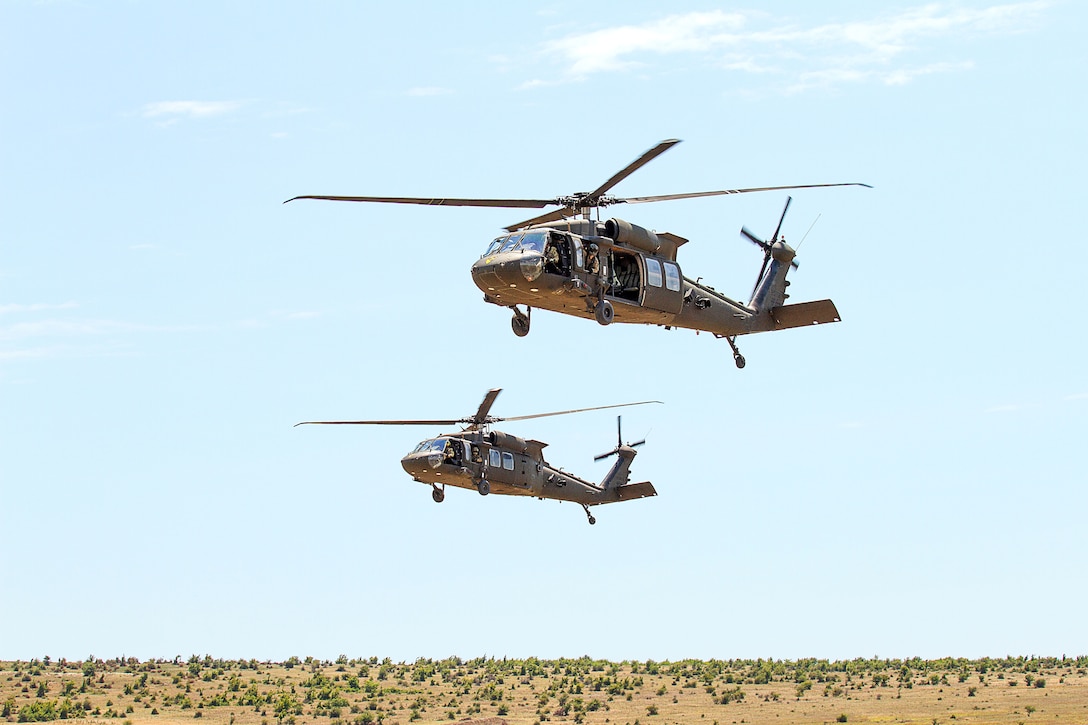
column 767, row 247
column 619, row 442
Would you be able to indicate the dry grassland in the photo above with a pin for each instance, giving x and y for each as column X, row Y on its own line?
column 524, row 692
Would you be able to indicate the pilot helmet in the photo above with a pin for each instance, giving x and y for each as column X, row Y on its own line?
column 592, row 248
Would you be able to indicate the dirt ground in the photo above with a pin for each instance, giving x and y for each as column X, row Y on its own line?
column 525, row 692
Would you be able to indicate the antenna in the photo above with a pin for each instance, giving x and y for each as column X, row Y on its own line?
column 809, row 230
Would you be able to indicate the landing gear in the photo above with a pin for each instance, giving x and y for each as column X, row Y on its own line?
column 437, row 494
column 483, row 487
column 520, row 322
column 604, row 313
column 589, row 516
column 737, row 357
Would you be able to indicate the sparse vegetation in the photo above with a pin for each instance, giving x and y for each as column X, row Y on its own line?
column 366, row 691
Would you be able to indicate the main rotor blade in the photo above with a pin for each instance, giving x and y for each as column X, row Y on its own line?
column 697, row 194
column 549, row 217
column 485, row 407
column 632, row 168
column 379, row 422
column 505, row 203
column 576, row 410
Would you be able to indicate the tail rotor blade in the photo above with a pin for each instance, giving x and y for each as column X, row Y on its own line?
column 781, row 219
column 747, row 234
column 762, row 270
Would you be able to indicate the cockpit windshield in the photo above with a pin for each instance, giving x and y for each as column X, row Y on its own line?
column 431, row 444
column 532, row 241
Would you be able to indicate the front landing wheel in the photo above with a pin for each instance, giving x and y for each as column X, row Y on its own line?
column 604, row 313
column 483, row 487
column 438, row 495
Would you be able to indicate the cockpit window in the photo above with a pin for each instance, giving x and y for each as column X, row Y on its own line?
column 527, row 241
column 535, row 240
column 433, row 444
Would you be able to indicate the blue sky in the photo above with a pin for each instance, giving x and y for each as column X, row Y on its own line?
column 905, row 483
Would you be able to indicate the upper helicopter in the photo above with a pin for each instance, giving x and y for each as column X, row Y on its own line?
column 569, row 261
column 490, row 461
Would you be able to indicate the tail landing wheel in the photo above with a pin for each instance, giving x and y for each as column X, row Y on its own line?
column 519, row 323
column 737, row 357
column 589, row 516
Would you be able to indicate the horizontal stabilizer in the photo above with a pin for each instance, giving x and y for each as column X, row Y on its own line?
column 805, row 314
column 633, row 491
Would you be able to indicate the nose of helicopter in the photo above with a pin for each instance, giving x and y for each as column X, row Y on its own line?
column 421, row 465
column 502, row 271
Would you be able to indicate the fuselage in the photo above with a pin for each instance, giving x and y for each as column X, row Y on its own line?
column 550, row 268
column 512, row 466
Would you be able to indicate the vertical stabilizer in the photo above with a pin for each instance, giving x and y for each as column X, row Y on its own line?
column 620, row 473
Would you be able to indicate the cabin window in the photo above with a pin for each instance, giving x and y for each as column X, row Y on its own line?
column 672, row 277
column 508, row 461
column 577, row 254
column 493, row 458
column 653, row 272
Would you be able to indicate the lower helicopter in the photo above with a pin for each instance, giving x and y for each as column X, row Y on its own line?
column 490, row 461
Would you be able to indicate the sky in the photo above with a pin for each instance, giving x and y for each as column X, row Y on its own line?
column 905, row 483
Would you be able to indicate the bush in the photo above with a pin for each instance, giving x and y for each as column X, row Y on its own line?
column 38, row 712
column 841, row 718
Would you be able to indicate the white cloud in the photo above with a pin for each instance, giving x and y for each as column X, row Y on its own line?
column 428, row 91
column 35, row 307
column 876, row 50
column 172, row 111
column 68, row 328
column 605, row 50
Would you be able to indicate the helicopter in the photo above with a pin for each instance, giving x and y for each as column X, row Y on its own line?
column 569, row 261
column 490, row 461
